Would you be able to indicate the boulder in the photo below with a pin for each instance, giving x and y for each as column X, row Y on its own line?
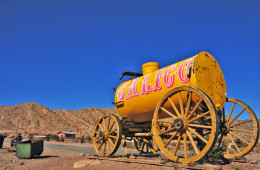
column 85, row 163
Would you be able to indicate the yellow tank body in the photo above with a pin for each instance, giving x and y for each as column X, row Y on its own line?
column 137, row 99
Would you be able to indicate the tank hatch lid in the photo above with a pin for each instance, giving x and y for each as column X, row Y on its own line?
column 133, row 74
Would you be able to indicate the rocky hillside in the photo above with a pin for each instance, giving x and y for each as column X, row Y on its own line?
column 34, row 118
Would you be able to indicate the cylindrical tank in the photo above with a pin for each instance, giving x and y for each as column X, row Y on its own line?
column 136, row 99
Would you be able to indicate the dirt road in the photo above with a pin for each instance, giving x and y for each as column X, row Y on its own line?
column 80, row 148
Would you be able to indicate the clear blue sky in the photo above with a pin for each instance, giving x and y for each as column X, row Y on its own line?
column 69, row 54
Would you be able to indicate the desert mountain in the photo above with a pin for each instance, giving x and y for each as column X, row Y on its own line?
column 34, row 118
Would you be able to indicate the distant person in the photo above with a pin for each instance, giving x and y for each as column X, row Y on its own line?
column 16, row 139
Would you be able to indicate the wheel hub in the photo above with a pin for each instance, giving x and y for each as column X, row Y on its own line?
column 178, row 124
column 106, row 136
column 225, row 129
column 103, row 135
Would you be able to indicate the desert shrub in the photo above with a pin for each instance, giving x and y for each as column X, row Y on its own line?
column 216, row 154
column 89, row 138
column 236, row 167
column 54, row 137
column 175, row 166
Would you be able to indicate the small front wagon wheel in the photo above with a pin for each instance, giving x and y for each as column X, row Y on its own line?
column 107, row 135
column 185, row 124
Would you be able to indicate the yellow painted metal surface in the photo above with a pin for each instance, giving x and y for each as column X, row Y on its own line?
column 137, row 99
column 150, row 67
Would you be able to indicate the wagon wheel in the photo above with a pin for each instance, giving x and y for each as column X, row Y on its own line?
column 185, row 124
column 241, row 129
column 145, row 144
column 107, row 135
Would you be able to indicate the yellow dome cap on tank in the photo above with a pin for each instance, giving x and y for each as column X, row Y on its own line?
column 150, row 67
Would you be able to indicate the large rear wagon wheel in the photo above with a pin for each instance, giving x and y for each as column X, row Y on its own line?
column 107, row 135
column 241, row 130
column 185, row 124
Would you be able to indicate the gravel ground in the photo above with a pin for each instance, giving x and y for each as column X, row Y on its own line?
column 61, row 159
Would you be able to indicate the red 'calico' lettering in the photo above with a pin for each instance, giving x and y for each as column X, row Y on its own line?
column 132, row 88
column 181, row 69
column 120, row 94
column 157, row 80
column 169, row 83
column 149, row 87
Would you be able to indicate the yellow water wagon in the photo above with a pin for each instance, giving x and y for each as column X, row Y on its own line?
column 182, row 110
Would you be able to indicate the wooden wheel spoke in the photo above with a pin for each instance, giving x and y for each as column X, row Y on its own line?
column 200, row 126
column 169, row 113
column 111, row 126
column 165, row 121
column 108, row 122
column 108, row 147
column 104, row 148
column 174, row 107
column 188, row 105
column 229, row 115
column 181, row 104
column 111, row 136
column 198, row 135
column 241, row 123
column 166, row 131
column 234, row 143
column 237, row 116
column 192, row 142
column 195, row 108
column 239, row 130
column 227, row 145
column 100, row 145
column 171, row 138
column 185, row 145
column 102, row 128
column 239, row 137
column 97, row 140
column 145, row 140
column 200, row 116
column 225, row 140
column 111, row 142
column 177, row 145
column 112, row 131
column 104, row 123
